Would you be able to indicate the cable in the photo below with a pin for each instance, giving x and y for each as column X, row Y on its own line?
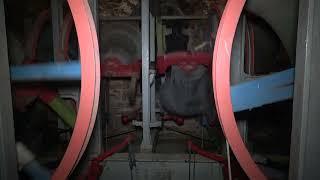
column 120, row 134
column 229, row 161
column 187, row 134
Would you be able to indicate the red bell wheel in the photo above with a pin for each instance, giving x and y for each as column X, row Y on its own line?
column 90, row 87
column 34, row 37
column 221, row 86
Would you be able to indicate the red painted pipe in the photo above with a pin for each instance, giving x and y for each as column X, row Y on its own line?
column 95, row 168
column 185, row 60
column 221, row 86
column 112, row 67
column 206, row 154
column 177, row 119
column 194, row 148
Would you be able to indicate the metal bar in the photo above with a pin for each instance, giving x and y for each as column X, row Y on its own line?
column 96, row 144
column 145, row 24
column 260, row 98
column 138, row 18
column 183, row 17
column 94, row 9
column 151, row 124
column 160, row 38
column 305, row 144
column 237, row 67
column 8, row 159
column 57, row 19
column 153, row 72
column 266, row 90
column 46, row 72
column 237, row 74
column 229, row 161
column 120, row 18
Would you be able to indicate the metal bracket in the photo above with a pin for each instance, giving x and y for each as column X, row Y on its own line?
column 151, row 124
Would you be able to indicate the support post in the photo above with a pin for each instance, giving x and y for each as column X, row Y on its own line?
column 57, row 19
column 305, row 144
column 96, row 144
column 153, row 71
column 8, row 159
column 145, row 34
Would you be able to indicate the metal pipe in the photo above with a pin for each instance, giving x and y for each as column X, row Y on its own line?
column 145, row 31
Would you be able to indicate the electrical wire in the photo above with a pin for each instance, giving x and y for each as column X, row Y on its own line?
column 120, row 134
column 229, row 161
column 187, row 134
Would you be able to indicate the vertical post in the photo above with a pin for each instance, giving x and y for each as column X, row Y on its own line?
column 145, row 34
column 57, row 19
column 8, row 160
column 94, row 9
column 238, row 74
column 305, row 144
column 96, row 142
column 153, row 72
column 229, row 161
column 160, row 37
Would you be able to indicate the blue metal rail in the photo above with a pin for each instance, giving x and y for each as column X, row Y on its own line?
column 46, row 72
column 265, row 90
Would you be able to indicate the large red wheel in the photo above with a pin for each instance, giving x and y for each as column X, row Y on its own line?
column 221, row 86
column 90, row 87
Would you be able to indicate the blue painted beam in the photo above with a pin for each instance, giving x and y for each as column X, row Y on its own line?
column 265, row 90
column 46, row 72
column 248, row 95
